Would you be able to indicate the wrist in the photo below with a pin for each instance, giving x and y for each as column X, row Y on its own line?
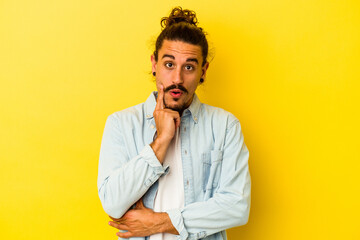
column 164, row 138
column 160, row 146
column 164, row 224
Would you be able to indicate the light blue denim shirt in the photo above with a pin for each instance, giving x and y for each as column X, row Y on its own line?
column 215, row 168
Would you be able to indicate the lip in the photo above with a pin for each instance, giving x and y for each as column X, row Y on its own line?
column 176, row 93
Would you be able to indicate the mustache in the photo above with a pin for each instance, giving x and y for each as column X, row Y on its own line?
column 182, row 88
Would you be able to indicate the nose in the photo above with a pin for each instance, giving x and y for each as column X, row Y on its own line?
column 177, row 76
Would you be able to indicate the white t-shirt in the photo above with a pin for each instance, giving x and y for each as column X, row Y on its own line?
column 170, row 193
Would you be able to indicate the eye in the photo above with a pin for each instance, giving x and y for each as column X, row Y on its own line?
column 189, row 67
column 169, row 65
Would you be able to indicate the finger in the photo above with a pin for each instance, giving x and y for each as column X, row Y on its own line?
column 118, row 226
column 114, row 219
column 124, row 234
column 117, row 220
column 177, row 122
column 139, row 204
column 176, row 117
column 160, row 98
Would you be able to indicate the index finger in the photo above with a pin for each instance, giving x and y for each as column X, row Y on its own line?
column 160, row 98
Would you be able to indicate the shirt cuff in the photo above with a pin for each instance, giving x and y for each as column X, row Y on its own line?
column 178, row 222
column 150, row 158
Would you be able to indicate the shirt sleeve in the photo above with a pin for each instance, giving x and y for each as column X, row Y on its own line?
column 123, row 181
column 230, row 204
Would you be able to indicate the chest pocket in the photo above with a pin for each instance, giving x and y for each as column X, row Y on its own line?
column 211, row 171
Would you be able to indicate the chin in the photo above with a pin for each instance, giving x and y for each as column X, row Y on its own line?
column 178, row 104
column 175, row 107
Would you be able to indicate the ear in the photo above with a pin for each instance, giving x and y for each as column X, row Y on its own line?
column 204, row 70
column 153, row 63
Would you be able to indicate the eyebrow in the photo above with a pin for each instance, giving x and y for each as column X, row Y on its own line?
column 187, row 60
column 169, row 56
column 192, row 60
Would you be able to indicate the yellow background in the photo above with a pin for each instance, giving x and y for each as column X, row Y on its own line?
column 289, row 70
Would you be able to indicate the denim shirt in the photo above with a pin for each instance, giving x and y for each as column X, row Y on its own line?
column 215, row 168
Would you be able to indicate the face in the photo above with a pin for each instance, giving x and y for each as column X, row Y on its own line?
column 178, row 70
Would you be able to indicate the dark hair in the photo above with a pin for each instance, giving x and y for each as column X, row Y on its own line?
column 182, row 25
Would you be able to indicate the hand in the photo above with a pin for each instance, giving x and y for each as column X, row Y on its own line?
column 141, row 222
column 167, row 121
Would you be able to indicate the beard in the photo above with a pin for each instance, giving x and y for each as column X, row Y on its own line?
column 180, row 107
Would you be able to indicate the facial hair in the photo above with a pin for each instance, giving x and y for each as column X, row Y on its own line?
column 179, row 108
column 182, row 88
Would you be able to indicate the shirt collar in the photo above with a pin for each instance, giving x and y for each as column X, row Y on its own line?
column 193, row 109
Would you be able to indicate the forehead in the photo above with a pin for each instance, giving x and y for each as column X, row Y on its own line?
column 180, row 49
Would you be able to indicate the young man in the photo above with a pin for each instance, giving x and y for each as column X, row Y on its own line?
column 173, row 167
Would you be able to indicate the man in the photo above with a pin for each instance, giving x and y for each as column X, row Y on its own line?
column 173, row 167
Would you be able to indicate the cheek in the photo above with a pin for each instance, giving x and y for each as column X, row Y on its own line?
column 159, row 82
column 193, row 89
column 163, row 79
column 194, row 84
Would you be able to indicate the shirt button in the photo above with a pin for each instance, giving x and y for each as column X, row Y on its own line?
column 187, row 182
column 184, row 129
column 195, row 118
column 185, row 152
column 152, row 126
column 148, row 115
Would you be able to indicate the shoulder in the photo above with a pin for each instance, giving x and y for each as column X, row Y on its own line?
column 134, row 114
column 218, row 116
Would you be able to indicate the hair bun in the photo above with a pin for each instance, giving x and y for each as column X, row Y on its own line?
column 178, row 15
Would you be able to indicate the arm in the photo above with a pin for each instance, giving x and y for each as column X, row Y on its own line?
column 142, row 221
column 228, row 208
column 230, row 205
column 123, row 181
